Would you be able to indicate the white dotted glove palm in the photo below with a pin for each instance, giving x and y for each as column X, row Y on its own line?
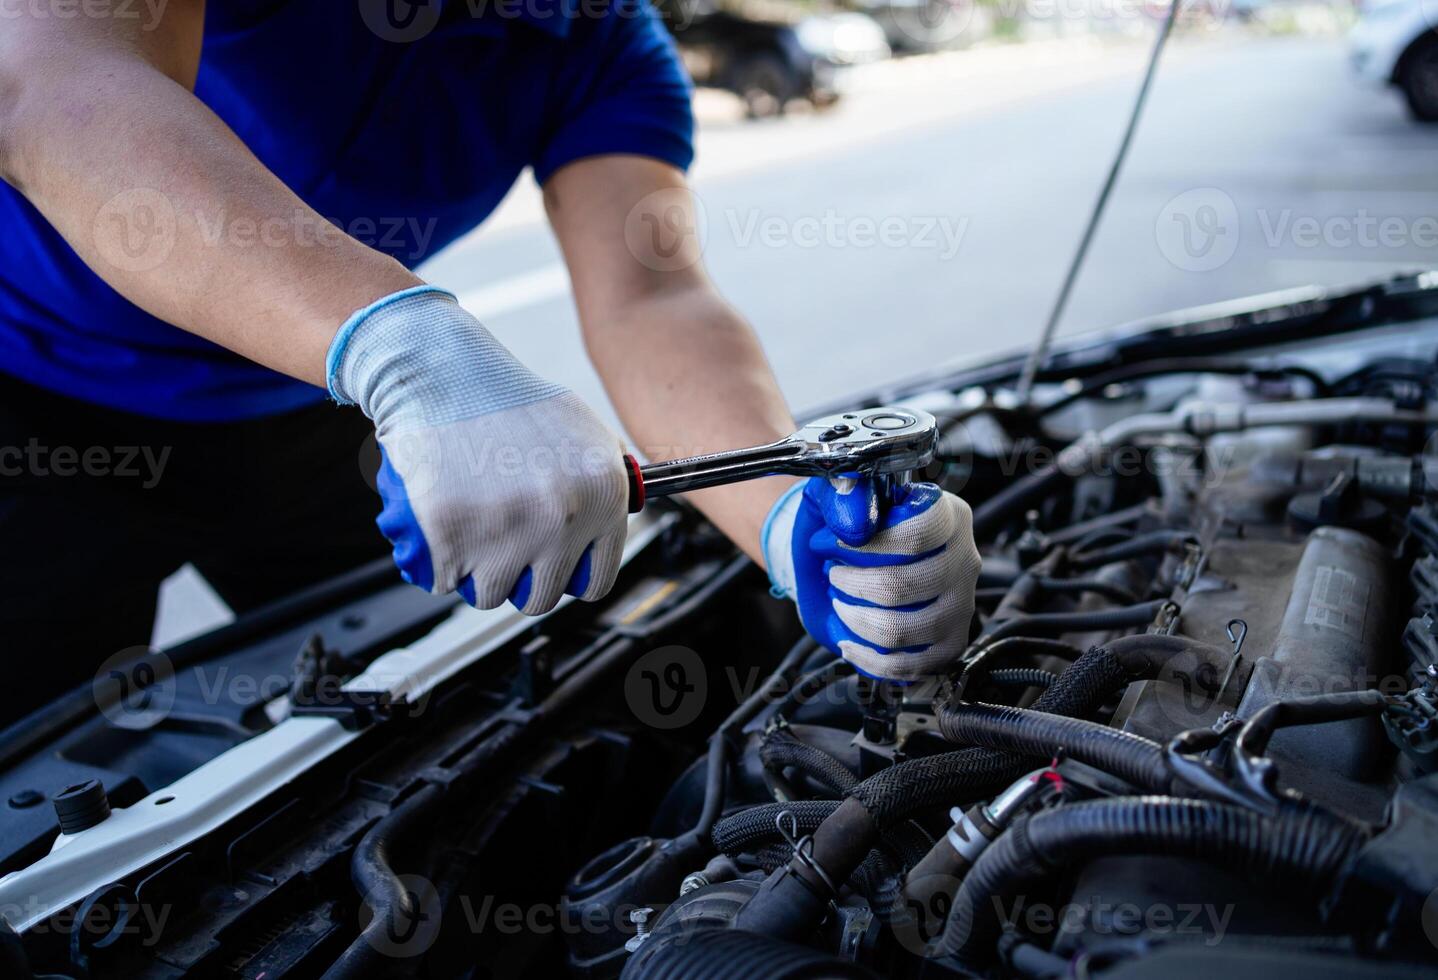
column 496, row 483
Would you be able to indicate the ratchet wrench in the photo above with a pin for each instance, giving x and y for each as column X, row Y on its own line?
column 879, row 442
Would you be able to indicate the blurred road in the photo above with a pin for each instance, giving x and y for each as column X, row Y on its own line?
column 929, row 217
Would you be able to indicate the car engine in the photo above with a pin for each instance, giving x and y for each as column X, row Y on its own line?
column 1194, row 734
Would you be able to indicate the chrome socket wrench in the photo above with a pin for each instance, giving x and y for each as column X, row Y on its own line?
column 877, row 442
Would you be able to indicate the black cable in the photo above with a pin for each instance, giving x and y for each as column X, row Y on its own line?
column 811, row 685
column 1067, row 586
column 1040, row 735
column 1023, row 677
column 780, row 749
column 717, row 767
column 1177, row 365
column 392, row 909
column 1151, row 543
column 790, row 902
column 1039, row 354
column 1301, row 846
column 1141, row 614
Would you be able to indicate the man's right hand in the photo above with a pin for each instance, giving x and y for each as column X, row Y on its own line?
column 496, row 483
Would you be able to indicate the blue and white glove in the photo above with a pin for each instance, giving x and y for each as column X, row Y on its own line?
column 890, row 590
column 496, row 483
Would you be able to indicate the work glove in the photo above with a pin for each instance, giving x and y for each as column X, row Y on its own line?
column 889, row 587
column 496, row 483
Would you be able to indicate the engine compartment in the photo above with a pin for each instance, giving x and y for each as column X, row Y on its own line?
column 1194, row 732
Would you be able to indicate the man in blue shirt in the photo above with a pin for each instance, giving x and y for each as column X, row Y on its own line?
column 209, row 227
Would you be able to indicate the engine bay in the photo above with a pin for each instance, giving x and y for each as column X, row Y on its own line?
column 1195, row 730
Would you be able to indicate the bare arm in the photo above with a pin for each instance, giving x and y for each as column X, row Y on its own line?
column 684, row 370
column 100, row 131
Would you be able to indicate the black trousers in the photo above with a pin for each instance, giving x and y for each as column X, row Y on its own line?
column 98, row 506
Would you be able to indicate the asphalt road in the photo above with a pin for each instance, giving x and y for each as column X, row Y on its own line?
column 929, row 218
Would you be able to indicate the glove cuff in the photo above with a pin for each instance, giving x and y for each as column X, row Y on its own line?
column 776, row 542
column 416, row 359
column 339, row 346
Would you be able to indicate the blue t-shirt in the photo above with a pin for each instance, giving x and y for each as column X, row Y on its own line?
column 402, row 123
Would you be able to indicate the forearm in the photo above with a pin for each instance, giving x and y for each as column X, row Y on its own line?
column 688, row 376
column 163, row 201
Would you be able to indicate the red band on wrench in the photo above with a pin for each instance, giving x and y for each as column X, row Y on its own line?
column 636, row 485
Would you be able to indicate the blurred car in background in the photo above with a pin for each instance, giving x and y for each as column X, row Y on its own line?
column 770, row 53
column 1395, row 43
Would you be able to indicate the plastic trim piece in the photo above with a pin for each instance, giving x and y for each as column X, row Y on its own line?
column 205, row 799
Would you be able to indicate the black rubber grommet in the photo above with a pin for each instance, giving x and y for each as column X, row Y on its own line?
column 81, row 806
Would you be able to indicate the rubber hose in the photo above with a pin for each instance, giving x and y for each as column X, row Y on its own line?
column 935, row 780
column 740, row 832
column 1065, row 586
column 1152, row 543
column 791, row 900
column 717, row 764
column 755, row 827
column 1023, row 677
column 781, row 749
column 389, row 900
column 1132, row 758
column 1071, row 622
column 731, row 954
column 990, row 515
column 1304, row 847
